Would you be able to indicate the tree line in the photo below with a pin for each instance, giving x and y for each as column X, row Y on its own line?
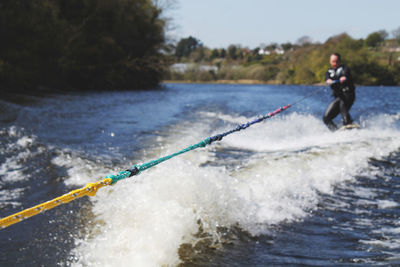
column 374, row 60
column 121, row 44
column 80, row 44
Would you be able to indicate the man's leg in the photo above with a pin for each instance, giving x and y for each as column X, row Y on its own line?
column 345, row 105
column 331, row 112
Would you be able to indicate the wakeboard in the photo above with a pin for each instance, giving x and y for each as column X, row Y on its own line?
column 349, row 127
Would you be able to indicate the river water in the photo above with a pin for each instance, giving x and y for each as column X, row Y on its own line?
column 286, row 191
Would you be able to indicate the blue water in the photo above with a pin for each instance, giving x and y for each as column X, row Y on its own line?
column 283, row 192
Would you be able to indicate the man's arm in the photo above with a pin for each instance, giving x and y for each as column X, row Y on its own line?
column 346, row 75
column 328, row 80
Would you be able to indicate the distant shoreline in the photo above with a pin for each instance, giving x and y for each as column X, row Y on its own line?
column 249, row 81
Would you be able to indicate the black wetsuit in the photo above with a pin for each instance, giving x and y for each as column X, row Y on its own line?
column 344, row 94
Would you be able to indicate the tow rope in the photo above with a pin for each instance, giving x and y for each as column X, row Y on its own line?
column 91, row 188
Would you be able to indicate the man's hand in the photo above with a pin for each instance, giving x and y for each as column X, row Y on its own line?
column 343, row 79
column 329, row 81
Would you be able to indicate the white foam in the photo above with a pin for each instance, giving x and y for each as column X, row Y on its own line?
column 386, row 204
column 366, row 193
column 24, row 141
column 17, row 153
column 11, row 169
column 143, row 221
column 80, row 170
column 8, row 197
column 388, row 230
column 390, row 244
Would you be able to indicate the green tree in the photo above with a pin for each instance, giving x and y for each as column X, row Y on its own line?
column 271, row 47
column 232, row 50
column 30, row 44
column 186, row 46
column 223, row 53
column 114, row 45
column 286, row 46
column 214, row 53
column 374, row 39
column 87, row 44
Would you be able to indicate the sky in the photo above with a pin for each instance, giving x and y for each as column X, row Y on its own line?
column 250, row 23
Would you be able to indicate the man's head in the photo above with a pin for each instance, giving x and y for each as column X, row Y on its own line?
column 335, row 60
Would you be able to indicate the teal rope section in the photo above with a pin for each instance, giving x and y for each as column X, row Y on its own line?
column 136, row 169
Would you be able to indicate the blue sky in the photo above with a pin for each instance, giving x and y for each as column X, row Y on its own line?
column 219, row 23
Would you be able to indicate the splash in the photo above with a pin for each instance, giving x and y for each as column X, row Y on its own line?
column 267, row 175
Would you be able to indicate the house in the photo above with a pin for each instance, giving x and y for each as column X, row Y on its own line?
column 264, row 52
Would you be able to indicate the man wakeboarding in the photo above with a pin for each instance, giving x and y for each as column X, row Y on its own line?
column 339, row 78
